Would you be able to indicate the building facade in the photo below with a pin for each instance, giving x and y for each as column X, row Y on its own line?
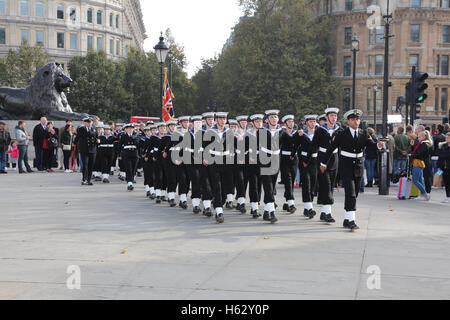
column 421, row 30
column 71, row 28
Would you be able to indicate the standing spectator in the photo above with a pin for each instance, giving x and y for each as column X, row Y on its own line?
column 66, row 139
column 49, row 146
column 409, row 132
column 13, row 152
column 88, row 140
column 419, row 156
column 437, row 139
column 444, row 164
column 73, row 160
column 446, row 128
column 38, row 141
column 5, row 140
column 434, row 130
column 371, row 158
column 402, row 146
column 22, row 139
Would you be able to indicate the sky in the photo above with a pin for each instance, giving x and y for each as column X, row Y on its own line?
column 201, row 26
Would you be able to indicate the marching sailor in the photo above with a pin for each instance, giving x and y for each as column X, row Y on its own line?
column 327, row 180
column 146, row 163
column 129, row 145
column 240, row 180
column 154, row 152
column 193, row 160
column 168, row 146
column 351, row 143
column 96, row 171
column 106, row 152
column 182, row 171
column 207, row 193
column 289, row 162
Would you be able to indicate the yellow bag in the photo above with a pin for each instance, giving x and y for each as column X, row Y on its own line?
column 438, row 181
column 418, row 163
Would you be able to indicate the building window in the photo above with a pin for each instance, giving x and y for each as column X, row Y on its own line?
column 73, row 41
column 346, row 100
column 446, row 34
column 60, row 11
column 348, row 5
column 348, row 36
column 376, row 35
column 415, row 3
column 126, row 51
column 117, row 48
column 99, row 43
column 111, row 46
column 444, row 99
column 90, row 42
column 445, row 4
column 369, row 69
column 436, row 99
column 2, row 6
column 25, row 36
column 2, row 36
column 90, row 15
column 24, row 7
column 73, row 13
column 415, row 33
column 60, row 40
column 39, row 9
column 111, row 18
column 369, row 98
column 443, row 65
column 347, row 66
column 40, row 37
column 99, row 16
column 413, row 62
column 379, row 64
column 117, row 21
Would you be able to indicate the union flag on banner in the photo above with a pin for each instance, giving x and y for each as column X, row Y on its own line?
column 168, row 113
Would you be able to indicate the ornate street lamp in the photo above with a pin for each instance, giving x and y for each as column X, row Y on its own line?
column 161, row 51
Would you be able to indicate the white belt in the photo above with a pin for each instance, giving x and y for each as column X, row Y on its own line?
column 155, row 149
column 325, row 150
column 435, row 158
column 314, row 155
column 129, row 147
column 352, row 155
column 106, row 146
column 286, row 153
column 189, row 150
column 175, row 149
column 274, row 152
column 238, row 151
column 218, row 153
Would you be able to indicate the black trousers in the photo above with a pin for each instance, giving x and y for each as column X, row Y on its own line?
column 48, row 158
column 149, row 176
column 326, row 182
column 88, row 160
column 309, row 180
column 253, row 174
column 220, row 183
column 66, row 154
column 288, row 170
column 171, row 174
column 206, row 184
column 194, row 177
column 160, row 175
column 182, row 179
column 129, row 162
column 39, row 155
column 269, row 183
column 240, row 180
column 352, row 185
column 98, row 162
column 428, row 177
column 106, row 161
column 447, row 182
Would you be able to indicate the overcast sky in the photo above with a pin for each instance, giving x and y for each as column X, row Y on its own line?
column 201, row 26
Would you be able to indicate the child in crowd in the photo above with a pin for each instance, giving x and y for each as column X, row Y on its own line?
column 13, row 152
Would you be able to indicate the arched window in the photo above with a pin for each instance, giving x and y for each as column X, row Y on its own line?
column 60, row 11
column 2, row 6
column 73, row 13
column 117, row 21
column 90, row 13
column 39, row 9
column 24, row 7
column 99, row 16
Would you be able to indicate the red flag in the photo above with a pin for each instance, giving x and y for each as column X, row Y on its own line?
column 168, row 113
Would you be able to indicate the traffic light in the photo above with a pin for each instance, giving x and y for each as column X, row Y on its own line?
column 417, row 111
column 420, row 86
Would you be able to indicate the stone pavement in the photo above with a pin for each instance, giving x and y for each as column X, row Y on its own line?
column 126, row 247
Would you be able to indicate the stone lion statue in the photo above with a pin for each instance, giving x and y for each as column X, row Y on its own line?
column 44, row 97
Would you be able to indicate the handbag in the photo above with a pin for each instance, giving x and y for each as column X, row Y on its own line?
column 67, row 147
column 418, row 163
column 52, row 142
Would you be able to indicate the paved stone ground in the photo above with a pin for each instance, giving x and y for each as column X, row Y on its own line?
column 129, row 248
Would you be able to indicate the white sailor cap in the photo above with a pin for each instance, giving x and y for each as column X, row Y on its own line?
column 233, row 122
column 119, row 125
column 196, row 118
column 242, row 118
column 87, row 119
column 128, row 125
column 311, row 117
column 331, row 110
column 147, row 128
column 153, row 126
column 172, row 122
column 288, row 117
column 106, row 127
column 322, row 117
column 355, row 113
column 184, row 118
column 272, row 112
column 100, row 126
column 221, row 114
column 161, row 124
column 208, row 115
column 149, row 123
column 256, row 117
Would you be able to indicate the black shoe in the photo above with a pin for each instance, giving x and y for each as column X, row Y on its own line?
column 219, row 218
column 309, row 213
column 266, row 216
column 30, row 171
column 329, row 218
column 3, row 172
column 306, row 213
column 255, row 214
column 242, row 209
column 84, row 183
column 97, row 179
column 163, row 198
column 139, row 174
column 183, row 205
column 130, row 188
column 148, row 194
column 172, row 203
column 89, row 183
column 158, row 200
column 285, row 207
column 22, row 172
column 134, row 181
column 197, row 210
column 352, row 226
column 152, row 196
column 121, row 178
column 292, row 209
column 323, row 216
column 105, row 180
column 346, row 223
column 229, row 205
column 207, row 212
column 272, row 218
column 276, row 206
column 111, row 173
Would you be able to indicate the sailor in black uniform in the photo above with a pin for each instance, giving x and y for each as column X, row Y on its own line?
column 289, row 162
column 87, row 139
column 97, row 169
column 119, row 132
column 193, row 157
column 207, row 192
column 182, row 171
column 240, row 180
column 327, row 180
column 129, row 145
column 106, row 152
column 155, row 151
column 168, row 146
column 307, row 163
column 146, row 164
column 351, row 143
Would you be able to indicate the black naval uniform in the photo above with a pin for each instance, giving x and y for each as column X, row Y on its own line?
column 253, row 171
column 129, row 144
column 118, row 151
column 181, row 169
column 303, row 145
column 147, row 166
column 194, row 167
column 166, row 147
column 206, row 180
column 351, row 166
column 239, row 175
column 106, row 153
column 288, row 168
column 320, row 144
column 87, row 139
column 155, row 152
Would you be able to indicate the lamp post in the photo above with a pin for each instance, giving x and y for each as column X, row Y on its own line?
column 355, row 49
column 170, row 54
column 161, row 51
column 375, row 90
